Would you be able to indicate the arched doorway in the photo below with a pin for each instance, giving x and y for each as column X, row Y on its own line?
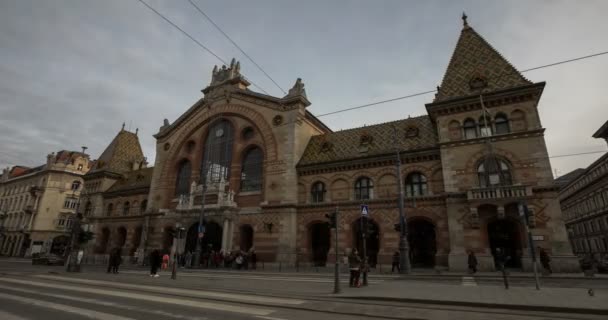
column 505, row 234
column 167, row 238
column 59, row 245
column 372, row 239
column 320, row 241
column 103, row 240
column 421, row 237
column 136, row 240
column 246, row 235
column 122, row 237
column 212, row 240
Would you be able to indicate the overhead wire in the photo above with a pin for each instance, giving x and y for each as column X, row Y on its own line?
column 235, row 44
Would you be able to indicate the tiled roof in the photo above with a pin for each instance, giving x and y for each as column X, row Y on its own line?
column 413, row 133
column 137, row 179
column 473, row 57
column 120, row 155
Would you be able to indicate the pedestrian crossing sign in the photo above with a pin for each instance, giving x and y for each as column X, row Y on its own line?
column 364, row 210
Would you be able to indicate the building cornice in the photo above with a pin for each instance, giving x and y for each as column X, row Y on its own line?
column 495, row 138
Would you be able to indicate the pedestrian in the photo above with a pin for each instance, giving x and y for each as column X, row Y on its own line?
column 501, row 260
column 254, row 260
column 117, row 260
column 111, row 260
column 545, row 260
column 155, row 261
column 239, row 261
column 165, row 263
column 472, row 261
column 396, row 262
column 354, row 264
column 188, row 259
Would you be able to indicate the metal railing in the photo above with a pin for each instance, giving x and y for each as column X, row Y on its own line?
column 499, row 192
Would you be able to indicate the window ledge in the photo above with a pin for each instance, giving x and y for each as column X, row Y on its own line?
column 249, row 193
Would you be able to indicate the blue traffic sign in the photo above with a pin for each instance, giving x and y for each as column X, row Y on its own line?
column 364, row 210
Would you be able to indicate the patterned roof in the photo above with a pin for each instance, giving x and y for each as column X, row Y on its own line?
column 120, row 155
column 137, row 179
column 474, row 57
column 413, row 133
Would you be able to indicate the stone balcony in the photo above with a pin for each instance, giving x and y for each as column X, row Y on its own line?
column 499, row 192
column 218, row 195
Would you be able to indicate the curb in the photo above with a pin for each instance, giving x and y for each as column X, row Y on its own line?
column 484, row 305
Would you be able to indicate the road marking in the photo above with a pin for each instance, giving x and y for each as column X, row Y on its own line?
column 246, row 277
column 197, row 293
column 469, row 282
column 269, row 318
column 64, row 307
column 10, row 316
column 99, row 302
column 137, row 296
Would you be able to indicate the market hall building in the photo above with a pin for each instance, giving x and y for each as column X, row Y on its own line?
column 273, row 171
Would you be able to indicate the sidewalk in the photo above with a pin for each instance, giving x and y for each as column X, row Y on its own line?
column 565, row 300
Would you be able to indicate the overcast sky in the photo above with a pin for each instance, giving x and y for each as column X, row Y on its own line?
column 71, row 71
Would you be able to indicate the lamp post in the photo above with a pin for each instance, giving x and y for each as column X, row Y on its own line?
column 404, row 249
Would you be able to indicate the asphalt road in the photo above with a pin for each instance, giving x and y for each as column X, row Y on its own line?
column 41, row 292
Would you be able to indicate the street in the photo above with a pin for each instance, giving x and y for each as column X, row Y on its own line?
column 37, row 292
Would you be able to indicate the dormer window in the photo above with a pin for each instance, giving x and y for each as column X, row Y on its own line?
column 326, row 146
column 365, row 139
column 411, row 132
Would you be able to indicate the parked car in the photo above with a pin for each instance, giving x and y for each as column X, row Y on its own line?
column 47, row 259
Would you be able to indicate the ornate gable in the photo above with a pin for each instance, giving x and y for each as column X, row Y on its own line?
column 475, row 65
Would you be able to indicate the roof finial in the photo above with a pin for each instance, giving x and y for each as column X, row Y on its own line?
column 123, row 126
column 464, row 20
column 136, row 131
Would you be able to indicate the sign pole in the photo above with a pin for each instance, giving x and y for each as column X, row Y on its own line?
column 364, row 214
column 337, row 266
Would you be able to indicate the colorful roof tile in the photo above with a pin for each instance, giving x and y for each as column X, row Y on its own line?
column 121, row 154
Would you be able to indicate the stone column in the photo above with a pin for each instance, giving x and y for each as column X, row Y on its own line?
column 225, row 231
column 457, row 258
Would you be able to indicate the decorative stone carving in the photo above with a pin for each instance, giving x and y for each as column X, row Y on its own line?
column 297, row 89
column 218, row 76
column 277, row 120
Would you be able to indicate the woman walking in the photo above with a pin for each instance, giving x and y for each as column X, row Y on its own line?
column 155, row 261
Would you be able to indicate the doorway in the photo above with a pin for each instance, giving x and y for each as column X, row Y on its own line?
column 421, row 237
column 320, row 241
column 505, row 234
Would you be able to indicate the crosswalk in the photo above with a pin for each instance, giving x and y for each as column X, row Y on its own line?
column 469, row 282
column 105, row 300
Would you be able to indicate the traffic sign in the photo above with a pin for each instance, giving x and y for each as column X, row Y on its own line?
column 364, row 210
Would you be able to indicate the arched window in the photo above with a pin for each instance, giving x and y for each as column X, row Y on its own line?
column 483, row 130
column 363, row 188
column 318, row 192
column 144, row 204
column 217, row 157
column 470, row 129
column 75, row 185
column 251, row 173
column 494, row 172
column 182, row 183
column 501, row 123
column 415, row 184
column 125, row 208
column 110, row 209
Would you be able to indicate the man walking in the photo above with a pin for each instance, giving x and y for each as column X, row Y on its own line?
column 472, row 261
column 354, row 263
column 155, row 261
column 396, row 262
column 545, row 260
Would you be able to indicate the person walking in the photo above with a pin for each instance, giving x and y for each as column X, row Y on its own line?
column 239, row 261
column 254, row 260
column 396, row 262
column 472, row 261
column 354, row 264
column 501, row 261
column 188, row 258
column 545, row 260
column 111, row 260
column 155, row 262
column 117, row 260
column 165, row 263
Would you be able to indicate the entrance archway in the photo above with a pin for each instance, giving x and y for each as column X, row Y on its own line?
column 421, row 237
column 372, row 239
column 103, row 240
column 212, row 239
column 59, row 245
column 246, row 235
column 122, row 237
column 320, row 241
column 167, row 238
column 505, row 234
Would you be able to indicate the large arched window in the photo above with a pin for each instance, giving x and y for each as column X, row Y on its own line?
column 485, row 126
column 110, row 209
column 252, row 169
column 415, row 184
column 502, row 124
column 470, row 129
column 363, row 188
column 317, row 192
column 182, row 183
column 217, row 154
column 494, row 172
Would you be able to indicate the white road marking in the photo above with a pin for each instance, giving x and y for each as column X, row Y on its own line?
column 99, row 302
column 64, row 307
column 469, row 282
column 10, row 316
column 197, row 293
column 137, row 296
column 247, row 277
column 269, row 318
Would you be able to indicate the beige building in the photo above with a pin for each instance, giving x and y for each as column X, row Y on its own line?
column 37, row 205
column 268, row 171
column 584, row 202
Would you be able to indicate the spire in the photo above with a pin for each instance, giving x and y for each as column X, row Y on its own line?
column 475, row 66
column 123, row 127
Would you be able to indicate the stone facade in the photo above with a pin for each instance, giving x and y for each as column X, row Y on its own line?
column 38, row 205
column 264, row 171
column 584, row 202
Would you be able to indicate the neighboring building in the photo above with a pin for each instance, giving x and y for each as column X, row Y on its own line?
column 272, row 171
column 37, row 205
column 115, row 194
column 584, row 202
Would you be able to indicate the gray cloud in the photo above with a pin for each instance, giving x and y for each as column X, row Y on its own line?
column 71, row 71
